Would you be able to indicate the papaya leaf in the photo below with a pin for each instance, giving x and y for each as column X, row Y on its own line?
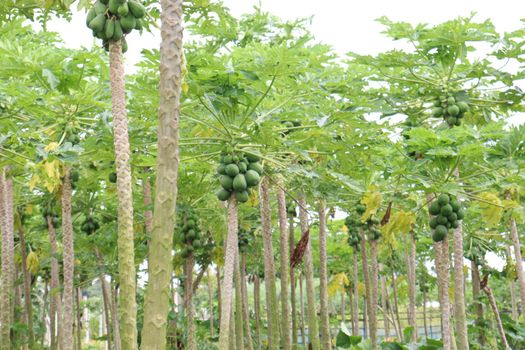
column 491, row 208
column 372, row 200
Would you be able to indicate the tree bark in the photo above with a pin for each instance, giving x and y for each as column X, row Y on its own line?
column 126, row 254
column 156, row 300
column 8, row 260
column 210, row 304
column 355, row 311
column 368, row 288
column 285, row 267
column 313, row 330
column 374, row 287
column 79, row 320
column 514, row 307
column 106, row 298
column 478, row 305
column 384, row 305
column 343, row 307
column 115, row 320
column 188, row 303
column 54, row 304
column 323, row 276
column 148, row 203
column 459, row 291
column 69, row 265
column 227, row 281
column 245, row 309
column 494, row 306
column 219, row 294
column 395, row 316
column 27, row 286
column 441, row 248
column 272, row 305
column 257, row 306
column 301, row 302
column 239, row 327
column 425, row 313
column 519, row 263
column 291, row 246
column 411, row 265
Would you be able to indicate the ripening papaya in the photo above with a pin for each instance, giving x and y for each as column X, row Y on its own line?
column 127, row 23
column 97, row 23
column 136, row 8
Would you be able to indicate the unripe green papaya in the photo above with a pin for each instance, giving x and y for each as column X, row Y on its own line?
column 136, row 8
column 138, row 24
column 453, row 110
column 433, row 223
column 109, row 28
column 228, row 159
column 434, row 208
column 239, row 183
column 226, row 182
column 113, row 6
column 252, row 158
column 256, row 166
column 117, row 33
column 221, row 169
column 439, row 233
column 252, row 178
column 90, row 16
column 437, row 112
column 436, row 103
column 97, row 24
column 100, row 8
column 242, row 167
column 443, row 199
column 446, row 210
column 451, row 100
column 123, row 10
column 231, row 170
column 458, row 122
column 463, row 106
column 105, row 2
column 223, row 195
column 124, row 46
column 242, row 197
column 112, row 177
column 127, row 23
column 442, row 220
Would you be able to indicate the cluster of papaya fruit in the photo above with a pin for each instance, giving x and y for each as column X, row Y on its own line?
column 111, row 20
column 353, row 225
column 244, row 239
column 90, row 225
column 446, row 214
column 451, row 108
column 47, row 211
column 291, row 209
column 190, row 233
column 74, row 177
column 238, row 172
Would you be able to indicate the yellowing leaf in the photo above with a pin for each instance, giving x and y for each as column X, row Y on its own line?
column 491, row 208
column 32, row 262
column 185, row 87
column 372, row 201
column 35, row 179
column 51, row 147
column 337, row 284
column 401, row 222
column 344, row 229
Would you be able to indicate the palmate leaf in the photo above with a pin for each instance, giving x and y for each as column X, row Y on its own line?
column 337, row 284
column 491, row 208
column 401, row 222
column 372, row 200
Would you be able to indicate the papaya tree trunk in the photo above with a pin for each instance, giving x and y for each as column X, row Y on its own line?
column 343, row 307
column 126, row 254
column 69, row 265
column 366, row 277
column 395, row 311
column 351, row 297
column 272, row 305
column 8, row 260
column 227, row 280
column 519, row 263
column 239, row 331
column 460, row 316
column 293, row 301
column 245, row 309
column 384, row 305
column 156, row 300
column 191, row 342
column 494, row 306
column 54, row 303
column 285, row 267
column 425, row 313
column 313, row 330
column 411, row 269
column 355, row 311
column 148, row 203
column 514, row 307
column 374, row 287
column 257, row 306
column 114, row 318
column 233, row 338
column 219, row 294
column 106, row 298
column 323, row 276
column 210, row 304
column 441, row 249
column 301, row 309
column 79, row 319
column 28, row 308
column 476, row 298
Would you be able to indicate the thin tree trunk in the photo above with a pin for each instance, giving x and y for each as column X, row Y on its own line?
column 459, row 291
column 227, row 282
column 291, row 246
column 210, row 304
column 343, row 307
column 285, row 267
column 239, row 331
column 257, row 306
column 366, row 333
column 148, row 212
column 441, row 248
column 79, row 320
column 115, row 319
column 272, row 305
column 411, row 268
column 44, row 315
column 69, row 264
column 233, row 336
column 219, row 295
column 198, row 279
column 494, row 306
column 374, row 287
column 323, row 276
column 478, row 305
column 366, row 277
column 396, row 306
column 245, row 310
column 107, row 306
column 351, row 297
column 156, row 302
column 125, row 244
column 514, row 307
column 8, row 262
column 384, row 305
column 54, row 304
column 425, row 313
column 313, row 330
column 188, row 303
column 301, row 302
column 27, row 286
column 519, row 263
column 355, row 311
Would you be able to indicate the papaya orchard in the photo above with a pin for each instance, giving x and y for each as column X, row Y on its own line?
column 250, row 187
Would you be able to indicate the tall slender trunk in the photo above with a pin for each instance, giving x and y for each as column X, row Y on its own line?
column 156, row 300
column 210, row 304
column 323, row 276
column 272, row 305
column 366, row 277
column 8, row 260
column 478, row 305
column 411, row 267
column 219, row 294
column 291, row 246
column 460, row 316
column 126, row 255
column 233, row 336
column 301, row 302
column 188, row 303
column 227, row 281
column 245, row 310
column 343, row 307
column 425, row 313
column 373, row 286
column 366, row 333
column 494, row 306
column 69, row 265
column 351, row 297
column 79, row 319
column 384, row 305
column 313, row 330
column 395, row 315
column 257, row 307
column 514, row 306
column 27, row 287
column 355, row 311
column 239, row 327
column 54, row 304
column 148, row 203
column 519, row 263
column 441, row 248
column 114, row 319
column 106, row 298
column 285, row 267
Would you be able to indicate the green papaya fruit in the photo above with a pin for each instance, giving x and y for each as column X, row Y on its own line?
column 433, row 223
column 226, row 182
column 253, row 178
column 452, row 217
column 453, row 110
column 109, row 28
column 100, row 35
column 138, row 24
column 100, row 8
column 242, row 167
column 239, row 183
column 105, row 2
column 231, row 170
column 113, row 6
column 458, row 122
column 436, row 102
column 117, row 33
column 461, row 214
column 235, row 158
column 443, row 199
column 463, row 106
column 455, row 224
column 442, row 220
column 434, row 208
column 437, row 112
column 256, row 166
column 124, row 46
column 97, row 23
column 221, row 169
column 123, row 10
column 223, row 195
column 136, row 8
column 90, row 16
column 451, row 100
column 451, row 121
column 228, row 159
column 127, row 23
column 446, row 210
column 242, row 197
column 112, row 177
column 75, row 176
column 455, row 205
column 252, row 158
column 439, row 233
